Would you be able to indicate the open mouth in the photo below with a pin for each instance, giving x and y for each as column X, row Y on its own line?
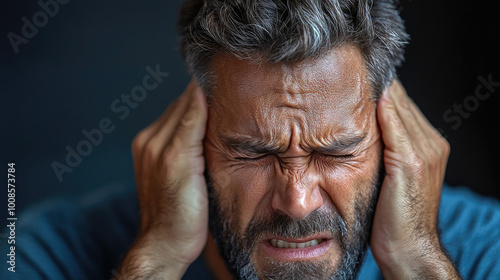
column 292, row 245
column 299, row 249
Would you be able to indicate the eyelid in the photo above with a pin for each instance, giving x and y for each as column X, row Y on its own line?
column 340, row 156
column 257, row 157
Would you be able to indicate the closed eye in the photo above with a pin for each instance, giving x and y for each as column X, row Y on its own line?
column 256, row 158
column 339, row 156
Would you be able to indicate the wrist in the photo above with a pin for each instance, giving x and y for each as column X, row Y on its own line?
column 419, row 259
column 150, row 259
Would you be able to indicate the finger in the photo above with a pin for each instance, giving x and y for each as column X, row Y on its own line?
column 186, row 148
column 145, row 135
column 403, row 105
column 180, row 104
column 191, row 129
column 185, row 163
column 439, row 147
column 162, row 131
column 182, row 101
column 142, row 140
column 423, row 121
column 394, row 134
column 425, row 138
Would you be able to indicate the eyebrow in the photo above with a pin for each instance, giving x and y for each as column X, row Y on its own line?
column 341, row 144
column 253, row 146
column 334, row 145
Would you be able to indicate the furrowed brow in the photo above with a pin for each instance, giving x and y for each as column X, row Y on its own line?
column 340, row 145
column 252, row 146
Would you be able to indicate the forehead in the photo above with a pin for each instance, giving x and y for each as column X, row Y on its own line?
column 325, row 95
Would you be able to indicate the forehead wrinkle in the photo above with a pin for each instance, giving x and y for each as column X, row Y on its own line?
column 253, row 105
column 290, row 80
column 298, row 101
column 296, row 83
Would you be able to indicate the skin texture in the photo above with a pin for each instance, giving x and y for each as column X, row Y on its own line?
column 405, row 239
column 296, row 111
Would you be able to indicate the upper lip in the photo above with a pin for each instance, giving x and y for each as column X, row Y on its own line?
column 300, row 240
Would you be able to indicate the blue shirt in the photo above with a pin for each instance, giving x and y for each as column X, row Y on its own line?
column 87, row 237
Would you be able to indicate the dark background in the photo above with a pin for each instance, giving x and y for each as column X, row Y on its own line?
column 91, row 52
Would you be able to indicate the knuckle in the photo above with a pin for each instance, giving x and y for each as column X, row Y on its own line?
column 441, row 149
column 148, row 154
column 139, row 142
column 445, row 146
column 189, row 117
column 171, row 155
column 419, row 165
column 181, row 158
column 152, row 149
column 442, row 142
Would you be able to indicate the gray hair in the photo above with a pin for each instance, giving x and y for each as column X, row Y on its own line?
column 290, row 31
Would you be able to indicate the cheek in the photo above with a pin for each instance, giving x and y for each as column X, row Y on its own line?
column 242, row 188
column 343, row 184
column 250, row 189
column 348, row 182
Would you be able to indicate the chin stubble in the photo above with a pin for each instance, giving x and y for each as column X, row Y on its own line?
column 236, row 250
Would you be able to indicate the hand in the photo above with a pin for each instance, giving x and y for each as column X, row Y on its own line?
column 169, row 166
column 404, row 239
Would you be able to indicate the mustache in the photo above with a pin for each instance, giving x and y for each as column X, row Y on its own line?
column 280, row 224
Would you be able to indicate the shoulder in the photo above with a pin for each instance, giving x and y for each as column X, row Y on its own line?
column 470, row 226
column 79, row 238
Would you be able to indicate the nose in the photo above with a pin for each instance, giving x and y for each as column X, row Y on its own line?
column 296, row 193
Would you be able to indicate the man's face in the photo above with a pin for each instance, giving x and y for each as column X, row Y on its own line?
column 293, row 156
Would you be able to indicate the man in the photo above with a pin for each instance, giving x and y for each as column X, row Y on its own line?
column 291, row 151
column 294, row 154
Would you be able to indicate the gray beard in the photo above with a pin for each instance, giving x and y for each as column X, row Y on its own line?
column 236, row 250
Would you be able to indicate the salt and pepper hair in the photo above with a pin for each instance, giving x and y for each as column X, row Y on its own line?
column 290, row 31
